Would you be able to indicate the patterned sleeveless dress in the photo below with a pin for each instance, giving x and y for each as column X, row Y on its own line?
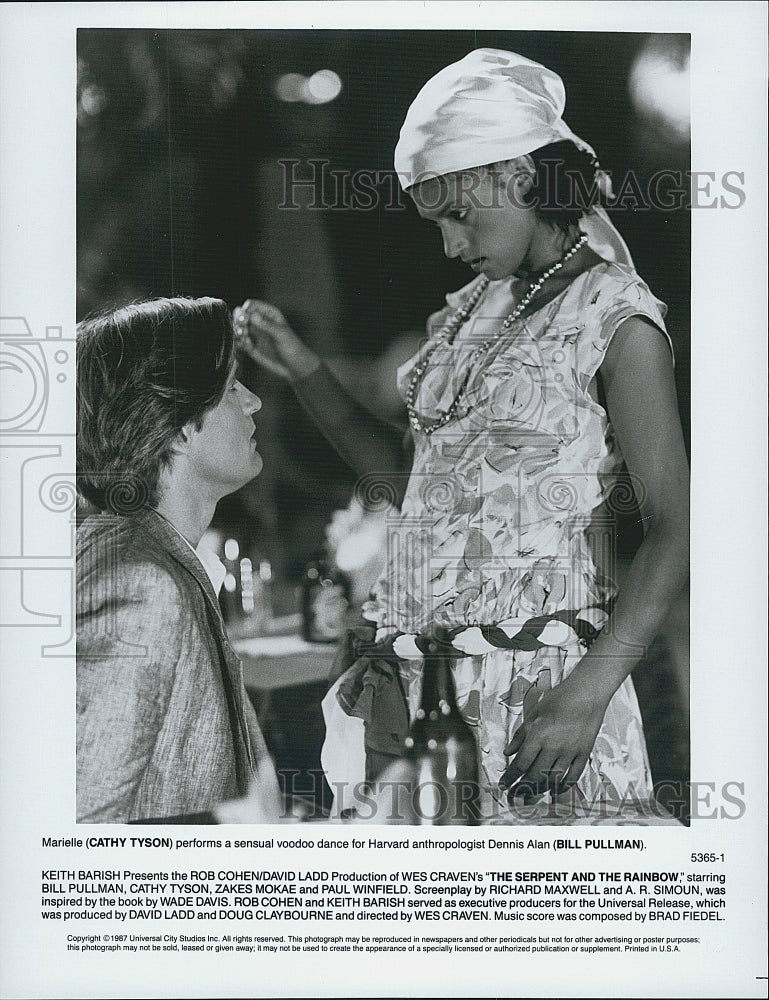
column 507, row 518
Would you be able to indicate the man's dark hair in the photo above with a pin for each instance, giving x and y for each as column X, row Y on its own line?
column 144, row 371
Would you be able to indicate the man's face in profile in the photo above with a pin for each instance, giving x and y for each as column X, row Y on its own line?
column 223, row 454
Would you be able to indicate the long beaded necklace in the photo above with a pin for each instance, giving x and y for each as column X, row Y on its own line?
column 451, row 327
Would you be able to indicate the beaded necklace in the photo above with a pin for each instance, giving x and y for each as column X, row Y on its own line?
column 450, row 329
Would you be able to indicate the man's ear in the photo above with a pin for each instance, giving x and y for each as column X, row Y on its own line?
column 183, row 439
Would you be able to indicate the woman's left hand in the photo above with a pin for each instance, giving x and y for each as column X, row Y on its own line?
column 552, row 746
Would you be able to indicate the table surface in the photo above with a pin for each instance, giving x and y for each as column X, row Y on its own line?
column 280, row 657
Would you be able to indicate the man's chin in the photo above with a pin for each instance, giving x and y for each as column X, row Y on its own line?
column 255, row 467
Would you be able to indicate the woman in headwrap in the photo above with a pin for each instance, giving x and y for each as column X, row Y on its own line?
column 538, row 380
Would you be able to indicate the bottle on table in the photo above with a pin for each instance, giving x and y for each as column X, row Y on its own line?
column 257, row 592
column 441, row 749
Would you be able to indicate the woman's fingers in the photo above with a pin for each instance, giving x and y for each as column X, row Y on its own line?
column 523, row 763
column 516, row 742
column 262, row 333
column 541, row 778
column 263, row 312
column 533, row 780
column 260, row 317
column 551, row 747
column 577, row 767
column 536, row 768
column 559, row 776
column 524, row 756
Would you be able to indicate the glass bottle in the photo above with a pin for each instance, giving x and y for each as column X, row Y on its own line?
column 441, row 749
column 257, row 593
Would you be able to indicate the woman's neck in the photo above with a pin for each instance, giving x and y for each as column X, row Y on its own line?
column 548, row 246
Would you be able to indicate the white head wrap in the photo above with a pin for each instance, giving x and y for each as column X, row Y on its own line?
column 491, row 106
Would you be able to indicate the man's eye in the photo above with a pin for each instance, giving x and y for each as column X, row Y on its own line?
column 459, row 213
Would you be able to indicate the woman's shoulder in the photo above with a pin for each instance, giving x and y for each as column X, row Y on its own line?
column 611, row 294
column 616, row 272
column 612, row 288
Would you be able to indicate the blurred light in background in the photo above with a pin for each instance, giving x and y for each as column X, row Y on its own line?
column 231, row 549
column 320, row 88
column 91, row 98
column 660, row 84
column 247, row 585
column 288, row 87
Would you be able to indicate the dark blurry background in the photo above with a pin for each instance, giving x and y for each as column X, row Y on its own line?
column 180, row 186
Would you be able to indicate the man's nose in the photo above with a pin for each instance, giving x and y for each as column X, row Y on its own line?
column 249, row 400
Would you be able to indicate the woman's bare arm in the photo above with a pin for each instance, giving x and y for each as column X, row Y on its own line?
column 371, row 446
column 641, row 402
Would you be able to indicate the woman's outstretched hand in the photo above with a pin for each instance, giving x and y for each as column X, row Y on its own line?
column 261, row 332
column 552, row 746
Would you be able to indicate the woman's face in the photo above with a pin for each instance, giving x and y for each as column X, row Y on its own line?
column 482, row 218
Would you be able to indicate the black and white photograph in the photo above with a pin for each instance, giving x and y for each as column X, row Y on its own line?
column 379, row 441
column 469, row 500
